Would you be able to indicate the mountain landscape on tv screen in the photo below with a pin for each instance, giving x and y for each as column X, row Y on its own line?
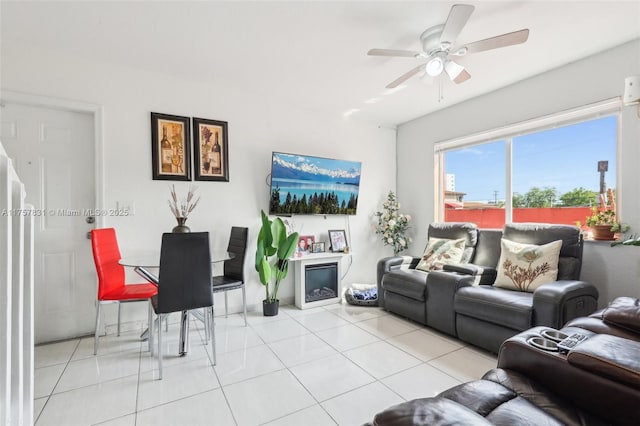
column 286, row 170
column 313, row 185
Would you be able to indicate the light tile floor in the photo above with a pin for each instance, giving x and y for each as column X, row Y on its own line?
column 337, row 364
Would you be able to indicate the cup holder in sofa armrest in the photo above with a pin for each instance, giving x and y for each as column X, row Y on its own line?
column 553, row 334
column 548, row 339
column 542, row 343
column 609, row 356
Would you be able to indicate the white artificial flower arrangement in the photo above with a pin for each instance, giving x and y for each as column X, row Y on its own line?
column 393, row 225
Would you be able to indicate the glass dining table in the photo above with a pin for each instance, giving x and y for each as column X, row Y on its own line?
column 144, row 264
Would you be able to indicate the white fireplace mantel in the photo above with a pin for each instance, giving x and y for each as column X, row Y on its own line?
column 300, row 264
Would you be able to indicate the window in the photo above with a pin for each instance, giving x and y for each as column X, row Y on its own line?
column 475, row 184
column 549, row 173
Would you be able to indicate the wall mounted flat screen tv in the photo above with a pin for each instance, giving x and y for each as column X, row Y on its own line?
column 301, row 184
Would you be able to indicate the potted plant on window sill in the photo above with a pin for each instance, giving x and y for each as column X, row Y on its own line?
column 273, row 250
column 604, row 224
column 603, row 221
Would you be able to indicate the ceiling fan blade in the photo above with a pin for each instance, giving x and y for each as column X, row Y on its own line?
column 456, row 72
column 392, row 52
column 404, row 77
column 457, row 19
column 462, row 77
column 504, row 40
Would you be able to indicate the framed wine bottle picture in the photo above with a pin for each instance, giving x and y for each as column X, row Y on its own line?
column 170, row 147
column 210, row 150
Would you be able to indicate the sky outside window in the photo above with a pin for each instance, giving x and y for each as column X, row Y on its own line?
column 479, row 171
column 564, row 158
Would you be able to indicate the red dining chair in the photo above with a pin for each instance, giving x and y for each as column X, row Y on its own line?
column 111, row 285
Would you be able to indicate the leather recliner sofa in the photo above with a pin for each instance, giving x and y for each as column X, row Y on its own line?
column 487, row 315
column 462, row 301
column 409, row 292
column 595, row 383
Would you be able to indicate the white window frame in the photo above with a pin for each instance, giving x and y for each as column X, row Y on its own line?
column 507, row 133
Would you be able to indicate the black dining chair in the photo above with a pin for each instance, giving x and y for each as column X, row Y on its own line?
column 233, row 275
column 184, row 282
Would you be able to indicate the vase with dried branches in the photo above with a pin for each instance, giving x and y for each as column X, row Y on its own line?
column 182, row 208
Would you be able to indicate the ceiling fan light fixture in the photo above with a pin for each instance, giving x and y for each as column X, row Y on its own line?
column 453, row 69
column 439, row 45
column 435, row 66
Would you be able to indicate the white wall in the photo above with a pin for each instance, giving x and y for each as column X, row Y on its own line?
column 257, row 126
column 614, row 271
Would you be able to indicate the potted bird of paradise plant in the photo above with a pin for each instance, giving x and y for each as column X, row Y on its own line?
column 273, row 250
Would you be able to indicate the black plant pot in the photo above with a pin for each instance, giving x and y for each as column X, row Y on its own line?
column 270, row 309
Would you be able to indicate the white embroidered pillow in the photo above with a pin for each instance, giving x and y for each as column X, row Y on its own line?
column 525, row 267
column 439, row 252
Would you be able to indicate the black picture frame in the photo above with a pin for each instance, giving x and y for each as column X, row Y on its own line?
column 318, row 247
column 337, row 240
column 170, row 147
column 210, row 163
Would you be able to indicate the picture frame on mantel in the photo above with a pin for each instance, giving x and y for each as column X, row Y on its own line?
column 210, row 150
column 338, row 240
column 318, row 247
column 305, row 242
column 170, row 147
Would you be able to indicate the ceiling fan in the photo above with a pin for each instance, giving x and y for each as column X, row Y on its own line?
column 438, row 47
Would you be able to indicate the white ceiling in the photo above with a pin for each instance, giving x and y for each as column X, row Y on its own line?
column 313, row 53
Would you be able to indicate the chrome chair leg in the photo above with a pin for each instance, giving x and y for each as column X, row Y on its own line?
column 160, row 347
column 150, row 328
column 157, row 322
column 213, row 335
column 225, row 305
column 97, row 336
column 207, row 325
column 244, row 304
column 184, row 333
column 119, row 305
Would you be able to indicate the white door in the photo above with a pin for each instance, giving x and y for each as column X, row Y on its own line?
column 53, row 153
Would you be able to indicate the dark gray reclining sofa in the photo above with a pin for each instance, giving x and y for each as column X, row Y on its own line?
column 462, row 301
